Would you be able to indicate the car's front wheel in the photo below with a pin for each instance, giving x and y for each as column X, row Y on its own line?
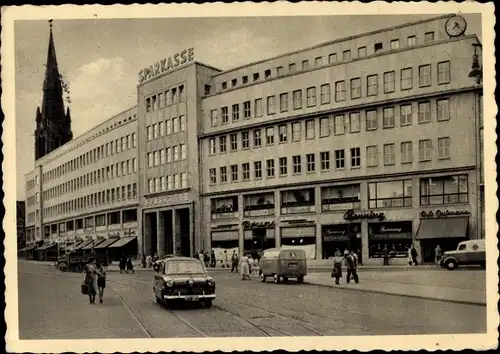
column 450, row 264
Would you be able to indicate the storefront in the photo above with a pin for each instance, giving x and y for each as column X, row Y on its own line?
column 301, row 235
column 258, row 236
column 396, row 236
column 445, row 228
column 224, row 240
column 340, row 237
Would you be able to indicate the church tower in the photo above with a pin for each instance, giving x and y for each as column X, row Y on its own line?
column 53, row 123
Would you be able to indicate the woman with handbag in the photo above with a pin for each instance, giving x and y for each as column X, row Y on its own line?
column 90, row 280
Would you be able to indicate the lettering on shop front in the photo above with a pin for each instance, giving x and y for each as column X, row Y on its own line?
column 166, row 64
column 258, row 225
column 384, row 229
column 331, row 232
column 352, row 215
column 168, row 199
column 443, row 213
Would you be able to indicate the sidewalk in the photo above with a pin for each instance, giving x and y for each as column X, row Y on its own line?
column 422, row 285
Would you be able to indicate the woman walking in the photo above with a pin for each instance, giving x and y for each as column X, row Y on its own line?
column 244, row 267
column 130, row 266
column 91, row 279
column 123, row 264
column 337, row 266
column 101, row 281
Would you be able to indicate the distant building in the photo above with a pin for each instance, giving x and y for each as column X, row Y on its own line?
column 21, row 224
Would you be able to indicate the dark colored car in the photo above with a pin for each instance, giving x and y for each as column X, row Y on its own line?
column 183, row 278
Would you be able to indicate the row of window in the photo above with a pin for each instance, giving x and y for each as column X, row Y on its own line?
column 33, row 199
column 32, row 183
column 101, row 198
column 310, row 164
column 106, row 150
column 372, row 89
column 31, row 217
column 111, row 218
column 334, row 124
column 168, row 183
column 166, row 98
column 119, row 169
column 167, row 155
column 167, row 127
column 321, row 61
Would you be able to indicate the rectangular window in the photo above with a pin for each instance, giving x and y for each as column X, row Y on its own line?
column 339, row 124
column 372, row 120
column 162, row 157
column 340, row 91
column 245, row 140
column 305, row 64
column 318, row 62
column 412, row 40
column 310, row 129
column 155, row 132
column 388, row 117
column 169, row 154
column 325, row 94
column 283, row 133
column 340, row 159
column 271, row 105
column 406, row 78
column 406, row 115
column 280, row 71
column 182, row 120
column 283, row 166
column 245, row 169
column 161, row 128
column 346, row 55
column 424, row 112
column 168, row 123
column 452, row 189
column 443, row 73
column 291, row 68
column 257, row 140
column 149, row 130
column 234, row 173
column 170, row 183
column 213, row 176
column 355, row 88
column 425, row 150
column 175, row 125
column 296, row 131
column 443, row 110
column 247, row 111
column 150, row 159
column 222, row 144
column 429, row 36
column 224, row 115
column 283, row 102
column 332, row 58
column 372, row 156
column 372, row 85
column 257, row 169
column 297, row 99
column 177, row 181
column 443, row 148
column 223, row 174
column 211, row 145
column 378, row 47
column 325, row 160
column 324, row 127
column 362, row 52
column 270, row 136
column 134, row 164
column 354, row 122
column 311, row 97
column 258, row 107
column 392, row 194
column 389, row 81
column 270, row 168
column 176, row 152
column 406, row 152
column 297, row 164
column 389, row 154
column 157, row 158
column 236, row 112
column 134, row 140
column 234, row 141
column 355, row 157
column 395, row 44
column 424, row 75
column 183, row 151
column 310, row 160
column 244, row 79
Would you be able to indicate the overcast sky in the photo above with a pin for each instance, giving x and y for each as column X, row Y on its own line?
column 100, row 58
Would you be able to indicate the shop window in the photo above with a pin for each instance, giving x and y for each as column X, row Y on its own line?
column 223, row 241
column 258, row 204
column 341, row 237
column 224, row 208
column 302, row 237
column 257, row 239
column 392, row 194
column 114, row 218
column 298, row 201
column 130, row 215
column 340, row 197
column 391, row 238
column 444, row 190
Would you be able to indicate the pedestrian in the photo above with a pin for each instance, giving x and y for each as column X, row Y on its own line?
column 437, row 254
column 123, row 264
column 226, row 259
column 352, row 267
column 337, row 266
column 244, row 267
column 155, row 258
column 385, row 252
column 414, row 254
column 206, row 259
column 91, row 279
column 130, row 265
column 255, row 267
column 101, row 281
column 234, row 262
column 148, row 261
column 213, row 260
column 201, row 257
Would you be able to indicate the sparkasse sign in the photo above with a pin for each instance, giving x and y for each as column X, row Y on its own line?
column 166, row 64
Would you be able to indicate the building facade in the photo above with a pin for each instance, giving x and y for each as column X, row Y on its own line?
column 21, row 223
column 362, row 143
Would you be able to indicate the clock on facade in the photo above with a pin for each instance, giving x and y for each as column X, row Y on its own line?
column 455, row 26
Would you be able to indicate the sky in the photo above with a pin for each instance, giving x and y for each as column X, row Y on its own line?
column 100, row 59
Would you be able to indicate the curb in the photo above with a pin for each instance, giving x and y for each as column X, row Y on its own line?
column 462, row 302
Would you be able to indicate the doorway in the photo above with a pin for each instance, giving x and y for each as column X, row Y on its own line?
column 184, row 232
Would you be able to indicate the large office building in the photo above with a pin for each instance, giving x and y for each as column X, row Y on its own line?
column 360, row 143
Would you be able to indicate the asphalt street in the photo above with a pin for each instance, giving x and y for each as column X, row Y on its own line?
column 52, row 307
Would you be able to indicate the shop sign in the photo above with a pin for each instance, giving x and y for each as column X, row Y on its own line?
column 443, row 214
column 130, row 225
column 166, row 64
column 168, row 199
column 258, row 225
column 351, row 215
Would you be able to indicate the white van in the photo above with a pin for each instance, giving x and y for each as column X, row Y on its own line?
column 470, row 252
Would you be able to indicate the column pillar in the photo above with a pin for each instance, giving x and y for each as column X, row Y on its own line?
column 277, row 217
column 147, row 234
column 176, row 232
column 160, row 233
column 241, row 234
column 139, row 233
column 319, row 235
column 122, row 232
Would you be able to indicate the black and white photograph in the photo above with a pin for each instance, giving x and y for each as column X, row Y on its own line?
column 252, row 176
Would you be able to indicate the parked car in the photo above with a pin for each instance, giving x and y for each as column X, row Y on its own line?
column 183, row 278
column 283, row 263
column 470, row 252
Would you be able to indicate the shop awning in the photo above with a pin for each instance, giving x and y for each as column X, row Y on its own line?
column 81, row 245
column 106, row 243
column 89, row 246
column 46, row 247
column 27, row 248
column 122, row 242
column 442, row 228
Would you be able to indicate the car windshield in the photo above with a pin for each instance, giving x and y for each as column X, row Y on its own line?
column 183, row 267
